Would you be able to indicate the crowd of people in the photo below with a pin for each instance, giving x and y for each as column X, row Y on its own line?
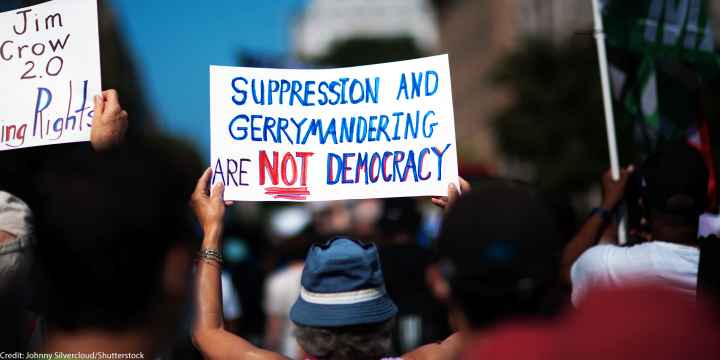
column 103, row 254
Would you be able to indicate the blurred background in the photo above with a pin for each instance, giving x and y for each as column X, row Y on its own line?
column 526, row 88
column 527, row 102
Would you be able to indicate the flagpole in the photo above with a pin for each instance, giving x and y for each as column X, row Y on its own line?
column 607, row 102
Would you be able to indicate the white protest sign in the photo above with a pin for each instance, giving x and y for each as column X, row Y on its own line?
column 384, row 130
column 49, row 73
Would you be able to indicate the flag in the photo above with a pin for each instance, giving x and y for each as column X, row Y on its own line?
column 662, row 57
column 681, row 29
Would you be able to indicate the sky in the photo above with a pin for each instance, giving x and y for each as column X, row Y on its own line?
column 174, row 42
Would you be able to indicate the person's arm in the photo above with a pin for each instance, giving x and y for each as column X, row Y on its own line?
column 613, row 192
column 209, row 335
column 110, row 121
column 449, row 349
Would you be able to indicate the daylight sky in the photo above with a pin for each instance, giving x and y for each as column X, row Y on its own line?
column 174, row 42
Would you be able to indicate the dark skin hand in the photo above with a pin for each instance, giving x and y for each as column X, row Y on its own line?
column 588, row 235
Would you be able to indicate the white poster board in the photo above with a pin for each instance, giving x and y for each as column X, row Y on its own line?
column 49, row 73
column 384, row 130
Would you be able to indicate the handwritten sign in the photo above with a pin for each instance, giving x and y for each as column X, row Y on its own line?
column 49, row 71
column 383, row 130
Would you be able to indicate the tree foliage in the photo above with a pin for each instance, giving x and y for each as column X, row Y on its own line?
column 556, row 120
column 364, row 51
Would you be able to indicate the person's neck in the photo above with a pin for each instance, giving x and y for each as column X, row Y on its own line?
column 685, row 235
column 95, row 340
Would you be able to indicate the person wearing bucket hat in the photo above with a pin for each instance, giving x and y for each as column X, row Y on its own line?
column 343, row 310
column 343, row 298
column 342, row 284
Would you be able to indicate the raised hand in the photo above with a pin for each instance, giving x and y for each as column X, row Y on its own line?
column 208, row 206
column 110, row 121
column 613, row 191
column 446, row 202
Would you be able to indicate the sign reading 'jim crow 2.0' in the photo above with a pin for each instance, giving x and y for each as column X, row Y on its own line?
column 49, row 73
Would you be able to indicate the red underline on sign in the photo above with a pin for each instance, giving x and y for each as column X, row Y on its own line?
column 289, row 193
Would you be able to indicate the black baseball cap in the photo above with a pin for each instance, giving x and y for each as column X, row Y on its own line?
column 499, row 247
column 674, row 180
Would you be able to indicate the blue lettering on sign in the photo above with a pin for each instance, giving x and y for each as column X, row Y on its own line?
column 388, row 166
column 243, row 93
column 346, row 129
column 419, row 81
column 344, row 90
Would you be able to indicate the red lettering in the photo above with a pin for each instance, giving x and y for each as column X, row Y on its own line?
column 288, row 158
column 271, row 169
column 303, row 166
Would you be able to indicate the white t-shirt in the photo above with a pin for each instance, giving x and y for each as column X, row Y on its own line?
column 659, row 262
column 282, row 288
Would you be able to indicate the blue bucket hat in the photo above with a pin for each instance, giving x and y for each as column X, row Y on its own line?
column 342, row 285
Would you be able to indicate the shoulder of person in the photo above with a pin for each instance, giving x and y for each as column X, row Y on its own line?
column 448, row 349
column 595, row 256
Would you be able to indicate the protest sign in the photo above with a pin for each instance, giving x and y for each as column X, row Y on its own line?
column 49, row 71
column 384, row 130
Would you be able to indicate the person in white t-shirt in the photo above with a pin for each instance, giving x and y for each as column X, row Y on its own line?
column 282, row 288
column 673, row 187
column 232, row 308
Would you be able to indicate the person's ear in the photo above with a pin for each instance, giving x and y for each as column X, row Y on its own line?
column 437, row 283
column 176, row 272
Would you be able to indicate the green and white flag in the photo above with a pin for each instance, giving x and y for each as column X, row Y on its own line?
column 674, row 28
column 661, row 51
column 661, row 58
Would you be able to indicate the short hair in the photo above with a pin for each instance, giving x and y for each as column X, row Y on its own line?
column 105, row 225
column 674, row 180
column 357, row 342
column 499, row 247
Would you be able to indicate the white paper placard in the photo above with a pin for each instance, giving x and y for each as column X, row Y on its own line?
column 384, row 130
column 49, row 73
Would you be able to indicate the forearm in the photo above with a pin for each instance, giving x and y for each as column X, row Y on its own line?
column 208, row 333
column 208, row 289
column 585, row 238
column 613, row 188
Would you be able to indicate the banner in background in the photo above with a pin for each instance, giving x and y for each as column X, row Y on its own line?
column 676, row 28
column 49, row 71
column 662, row 59
column 384, row 130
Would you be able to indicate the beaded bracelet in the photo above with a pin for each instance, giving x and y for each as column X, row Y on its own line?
column 211, row 255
